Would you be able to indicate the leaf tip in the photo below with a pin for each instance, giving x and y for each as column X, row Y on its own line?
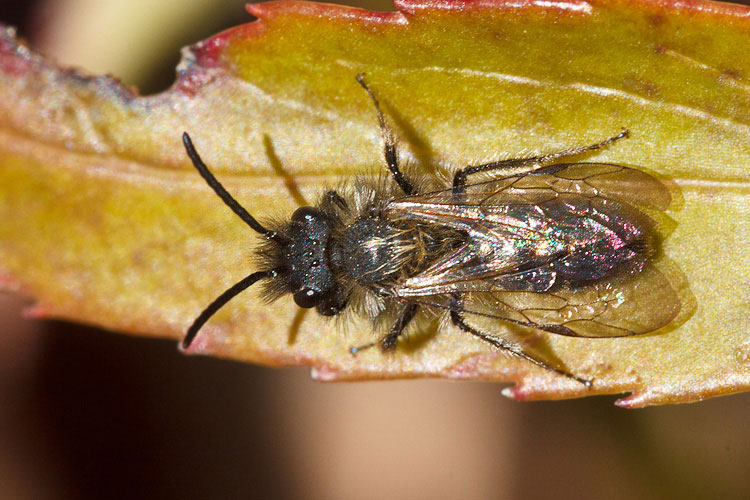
column 631, row 402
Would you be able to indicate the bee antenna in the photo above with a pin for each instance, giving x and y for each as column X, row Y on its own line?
column 224, row 194
column 221, row 300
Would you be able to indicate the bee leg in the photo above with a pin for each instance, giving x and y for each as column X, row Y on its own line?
column 389, row 149
column 388, row 343
column 517, row 166
column 510, row 347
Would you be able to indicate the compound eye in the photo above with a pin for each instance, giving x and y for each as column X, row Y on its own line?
column 307, row 298
column 303, row 214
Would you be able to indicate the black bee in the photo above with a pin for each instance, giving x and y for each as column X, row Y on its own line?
column 565, row 248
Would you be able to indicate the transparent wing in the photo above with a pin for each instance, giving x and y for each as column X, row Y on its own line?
column 637, row 302
column 587, row 180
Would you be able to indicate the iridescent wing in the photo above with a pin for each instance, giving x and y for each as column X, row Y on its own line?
column 561, row 223
column 560, row 248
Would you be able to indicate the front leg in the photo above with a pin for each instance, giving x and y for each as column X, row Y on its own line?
column 516, row 166
column 389, row 341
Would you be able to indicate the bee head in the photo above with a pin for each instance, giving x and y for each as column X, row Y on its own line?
column 298, row 256
column 305, row 257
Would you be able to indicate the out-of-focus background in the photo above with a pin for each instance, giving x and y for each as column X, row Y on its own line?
column 86, row 414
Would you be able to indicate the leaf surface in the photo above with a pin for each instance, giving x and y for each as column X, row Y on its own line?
column 104, row 221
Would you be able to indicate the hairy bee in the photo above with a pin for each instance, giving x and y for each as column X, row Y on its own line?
column 565, row 248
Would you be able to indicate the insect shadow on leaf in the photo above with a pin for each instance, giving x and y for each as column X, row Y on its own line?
column 564, row 248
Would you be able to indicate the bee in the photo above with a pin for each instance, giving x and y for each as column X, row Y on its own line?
column 564, row 248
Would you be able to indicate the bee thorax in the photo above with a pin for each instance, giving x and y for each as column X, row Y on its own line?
column 372, row 250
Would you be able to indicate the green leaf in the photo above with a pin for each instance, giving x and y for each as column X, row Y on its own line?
column 104, row 221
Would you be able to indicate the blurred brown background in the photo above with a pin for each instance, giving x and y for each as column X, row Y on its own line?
column 90, row 415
